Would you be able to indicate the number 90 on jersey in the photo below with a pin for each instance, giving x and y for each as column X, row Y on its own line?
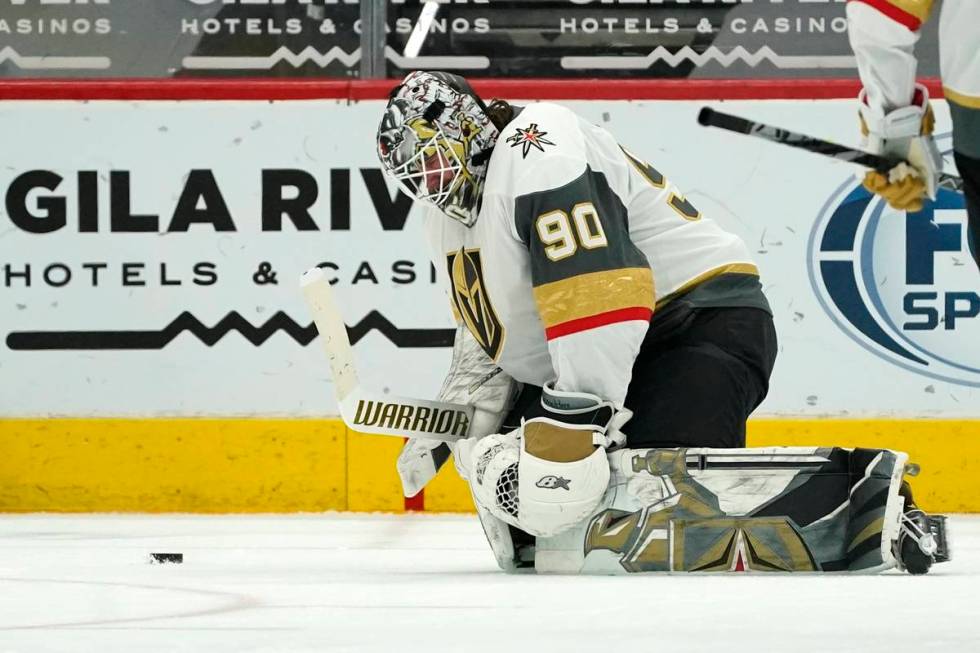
column 562, row 235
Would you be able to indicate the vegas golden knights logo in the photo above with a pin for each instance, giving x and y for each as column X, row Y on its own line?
column 472, row 301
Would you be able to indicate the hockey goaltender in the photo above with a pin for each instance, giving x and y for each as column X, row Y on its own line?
column 613, row 341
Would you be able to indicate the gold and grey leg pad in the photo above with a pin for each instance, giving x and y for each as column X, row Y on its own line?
column 768, row 509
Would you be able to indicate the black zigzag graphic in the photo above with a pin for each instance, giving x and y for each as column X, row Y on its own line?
column 304, row 335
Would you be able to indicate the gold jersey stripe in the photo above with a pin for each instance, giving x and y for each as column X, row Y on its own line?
column 962, row 99
column 730, row 268
column 589, row 294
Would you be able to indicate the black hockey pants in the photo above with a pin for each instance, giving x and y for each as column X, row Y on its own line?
column 699, row 374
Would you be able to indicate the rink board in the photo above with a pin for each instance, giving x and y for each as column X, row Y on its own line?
column 136, row 304
column 280, row 465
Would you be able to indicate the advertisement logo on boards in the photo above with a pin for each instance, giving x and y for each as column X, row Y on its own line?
column 247, row 35
column 40, row 35
column 257, row 335
column 299, row 38
column 902, row 285
column 43, row 203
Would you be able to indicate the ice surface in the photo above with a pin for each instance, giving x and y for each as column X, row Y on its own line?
column 340, row 582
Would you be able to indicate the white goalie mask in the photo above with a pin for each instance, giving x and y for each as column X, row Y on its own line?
column 435, row 140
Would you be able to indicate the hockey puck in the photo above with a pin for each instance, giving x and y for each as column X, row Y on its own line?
column 163, row 558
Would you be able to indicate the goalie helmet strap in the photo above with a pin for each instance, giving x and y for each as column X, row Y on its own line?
column 434, row 111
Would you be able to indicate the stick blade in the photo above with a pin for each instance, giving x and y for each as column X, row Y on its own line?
column 384, row 414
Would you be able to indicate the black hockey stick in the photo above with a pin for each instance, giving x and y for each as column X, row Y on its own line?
column 710, row 117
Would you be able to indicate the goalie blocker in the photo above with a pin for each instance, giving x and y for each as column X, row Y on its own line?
column 789, row 509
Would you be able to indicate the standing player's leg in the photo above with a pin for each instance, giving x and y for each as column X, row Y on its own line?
column 969, row 169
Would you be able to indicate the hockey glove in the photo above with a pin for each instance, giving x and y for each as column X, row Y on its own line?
column 553, row 471
column 902, row 135
column 472, row 379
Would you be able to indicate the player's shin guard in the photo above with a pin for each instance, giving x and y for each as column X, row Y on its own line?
column 512, row 548
column 774, row 509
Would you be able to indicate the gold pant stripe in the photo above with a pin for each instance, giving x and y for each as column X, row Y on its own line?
column 593, row 293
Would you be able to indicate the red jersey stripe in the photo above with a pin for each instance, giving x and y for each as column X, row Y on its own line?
column 893, row 12
column 601, row 319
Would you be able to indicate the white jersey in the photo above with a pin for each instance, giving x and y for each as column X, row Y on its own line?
column 576, row 243
column 883, row 34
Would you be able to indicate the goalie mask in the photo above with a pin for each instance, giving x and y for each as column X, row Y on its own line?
column 435, row 140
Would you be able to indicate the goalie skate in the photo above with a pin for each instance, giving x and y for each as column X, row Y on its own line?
column 922, row 538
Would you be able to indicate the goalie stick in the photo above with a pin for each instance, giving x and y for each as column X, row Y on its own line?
column 372, row 412
column 709, row 117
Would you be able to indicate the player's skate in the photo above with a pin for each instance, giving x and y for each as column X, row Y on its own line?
column 921, row 539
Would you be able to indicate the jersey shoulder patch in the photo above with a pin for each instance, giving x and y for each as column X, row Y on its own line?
column 543, row 147
column 541, row 128
column 537, row 128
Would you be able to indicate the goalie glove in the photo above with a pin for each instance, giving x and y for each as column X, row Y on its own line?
column 903, row 135
column 472, row 379
column 552, row 472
